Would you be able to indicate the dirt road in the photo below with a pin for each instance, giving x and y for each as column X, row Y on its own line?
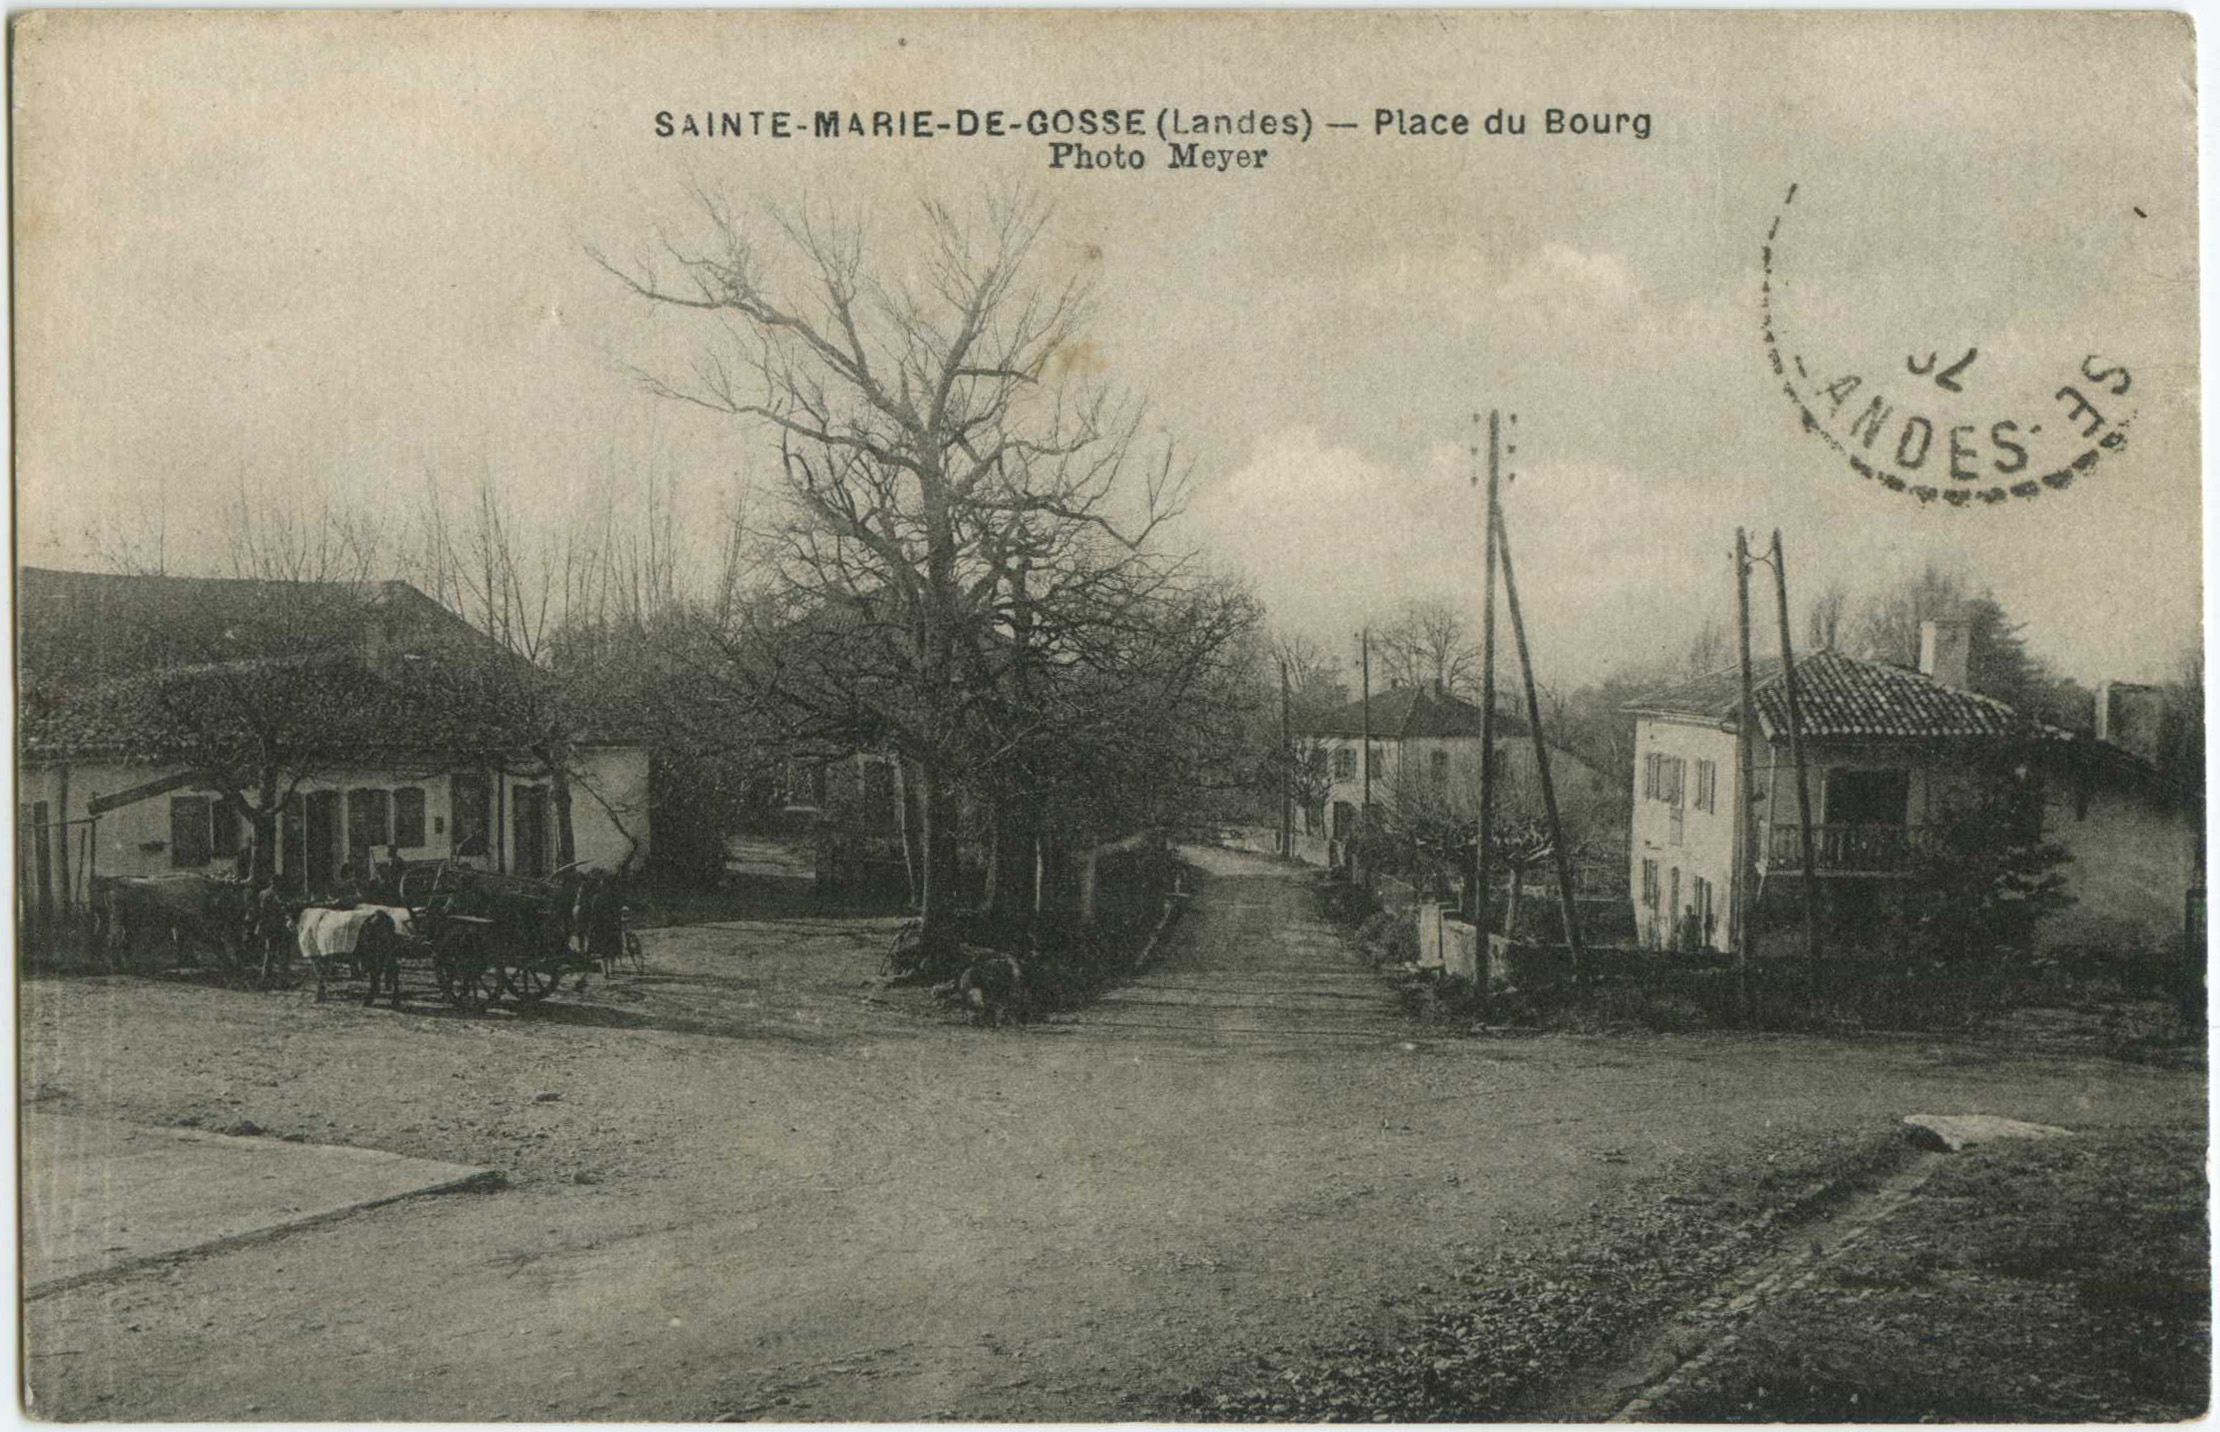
column 753, row 1183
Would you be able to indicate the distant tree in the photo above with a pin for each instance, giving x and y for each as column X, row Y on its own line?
column 1427, row 643
column 1710, row 649
column 1825, row 618
column 1999, row 662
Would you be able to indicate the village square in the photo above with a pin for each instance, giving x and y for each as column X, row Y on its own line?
column 806, row 792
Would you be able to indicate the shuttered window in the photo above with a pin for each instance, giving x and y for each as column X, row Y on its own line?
column 189, row 846
column 408, row 816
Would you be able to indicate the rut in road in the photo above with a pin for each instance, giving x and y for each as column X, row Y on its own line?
column 1251, row 963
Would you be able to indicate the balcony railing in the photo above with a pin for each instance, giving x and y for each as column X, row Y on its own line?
column 1845, row 849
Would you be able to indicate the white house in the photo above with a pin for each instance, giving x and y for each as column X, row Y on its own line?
column 1887, row 751
column 1425, row 754
column 398, row 754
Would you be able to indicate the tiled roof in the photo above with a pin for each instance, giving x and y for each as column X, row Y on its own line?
column 1414, row 711
column 1843, row 698
column 152, row 666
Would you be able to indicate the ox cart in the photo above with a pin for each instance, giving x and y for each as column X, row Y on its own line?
column 481, row 936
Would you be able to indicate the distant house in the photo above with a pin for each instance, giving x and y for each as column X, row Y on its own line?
column 1888, row 750
column 401, row 739
column 1425, row 753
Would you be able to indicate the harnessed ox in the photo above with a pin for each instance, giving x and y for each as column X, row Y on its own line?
column 185, row 910
column 367, row 937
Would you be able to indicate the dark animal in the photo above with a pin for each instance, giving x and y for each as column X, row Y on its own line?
column 184, row 911
column 992, row 987
column 597, row 920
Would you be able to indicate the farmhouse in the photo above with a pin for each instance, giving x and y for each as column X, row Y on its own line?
column 1890, row 753
column 164, row 719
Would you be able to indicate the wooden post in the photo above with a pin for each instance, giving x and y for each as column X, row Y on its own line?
column 1483, row 840
column 1744, row 934
column 1796, row 753
column 1562, row 856
column 1287, row 783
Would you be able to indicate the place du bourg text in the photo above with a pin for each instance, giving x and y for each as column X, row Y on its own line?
column 1104, row 138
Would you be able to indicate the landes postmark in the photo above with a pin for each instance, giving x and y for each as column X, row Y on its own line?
column 1930, row 428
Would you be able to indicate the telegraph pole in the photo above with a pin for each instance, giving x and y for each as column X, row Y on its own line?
column 1541, row 758
column 1796, row 753
column 1484, row 854
column 1287, row 777
column 1364, row 641
column 1745, row 812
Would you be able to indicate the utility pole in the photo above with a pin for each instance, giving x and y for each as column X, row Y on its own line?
column 1541, row 758
column 1796, row 753
column 1744, row 935
column 1484, row 853
column 1287, row 776
column 1364, row 640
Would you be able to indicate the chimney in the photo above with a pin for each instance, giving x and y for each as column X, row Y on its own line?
column 1943, row 650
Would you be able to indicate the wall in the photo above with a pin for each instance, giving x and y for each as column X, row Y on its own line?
column 134, row 839
column 2134, row 861
column 609, row 806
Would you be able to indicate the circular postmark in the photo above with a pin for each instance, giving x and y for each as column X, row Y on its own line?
column 1955, row 419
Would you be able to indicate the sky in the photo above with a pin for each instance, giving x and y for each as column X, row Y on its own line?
column 327, row 257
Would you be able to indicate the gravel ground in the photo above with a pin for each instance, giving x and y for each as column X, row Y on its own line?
column 752, row 1183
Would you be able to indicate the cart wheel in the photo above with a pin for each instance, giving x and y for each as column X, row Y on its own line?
column 533, row 983
column 467, row 978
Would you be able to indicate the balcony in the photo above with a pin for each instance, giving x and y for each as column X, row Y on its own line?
column 1843, row 849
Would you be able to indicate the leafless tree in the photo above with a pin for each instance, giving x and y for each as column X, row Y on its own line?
column 246, row 675
column 1710, row 649
column 1429, row 642
column 1825, row 616
column 964, row 514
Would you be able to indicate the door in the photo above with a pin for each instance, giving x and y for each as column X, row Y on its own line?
column 319, row 838
column 1345, row 820
column 531, row 830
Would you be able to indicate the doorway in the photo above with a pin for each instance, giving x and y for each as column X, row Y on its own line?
column 531, row 830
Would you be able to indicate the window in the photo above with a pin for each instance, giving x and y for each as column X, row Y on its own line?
column 1379, row 760
column 1345, row 763
column 189, row 831
column 1662, row 777
column 1672, row 907
column 472, row 811
column 1441, row 768
column 1649, row 883
column 1707, row 785
column 223, row 830
column 1701, row 935
column 408, row 816
column 369, row 822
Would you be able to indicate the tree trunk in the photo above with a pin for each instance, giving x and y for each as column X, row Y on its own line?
column 566, row 834
column 937, row 883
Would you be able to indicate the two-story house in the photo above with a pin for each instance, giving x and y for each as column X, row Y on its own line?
column 1425, row 754
column 1887, row 750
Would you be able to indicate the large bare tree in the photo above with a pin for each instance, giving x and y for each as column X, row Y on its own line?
column 966, row 514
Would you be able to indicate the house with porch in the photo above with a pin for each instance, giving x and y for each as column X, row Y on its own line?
column 1888, row 751
column 157, row 712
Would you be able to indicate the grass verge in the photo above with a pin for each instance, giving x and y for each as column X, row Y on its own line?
column 2062, row 1281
